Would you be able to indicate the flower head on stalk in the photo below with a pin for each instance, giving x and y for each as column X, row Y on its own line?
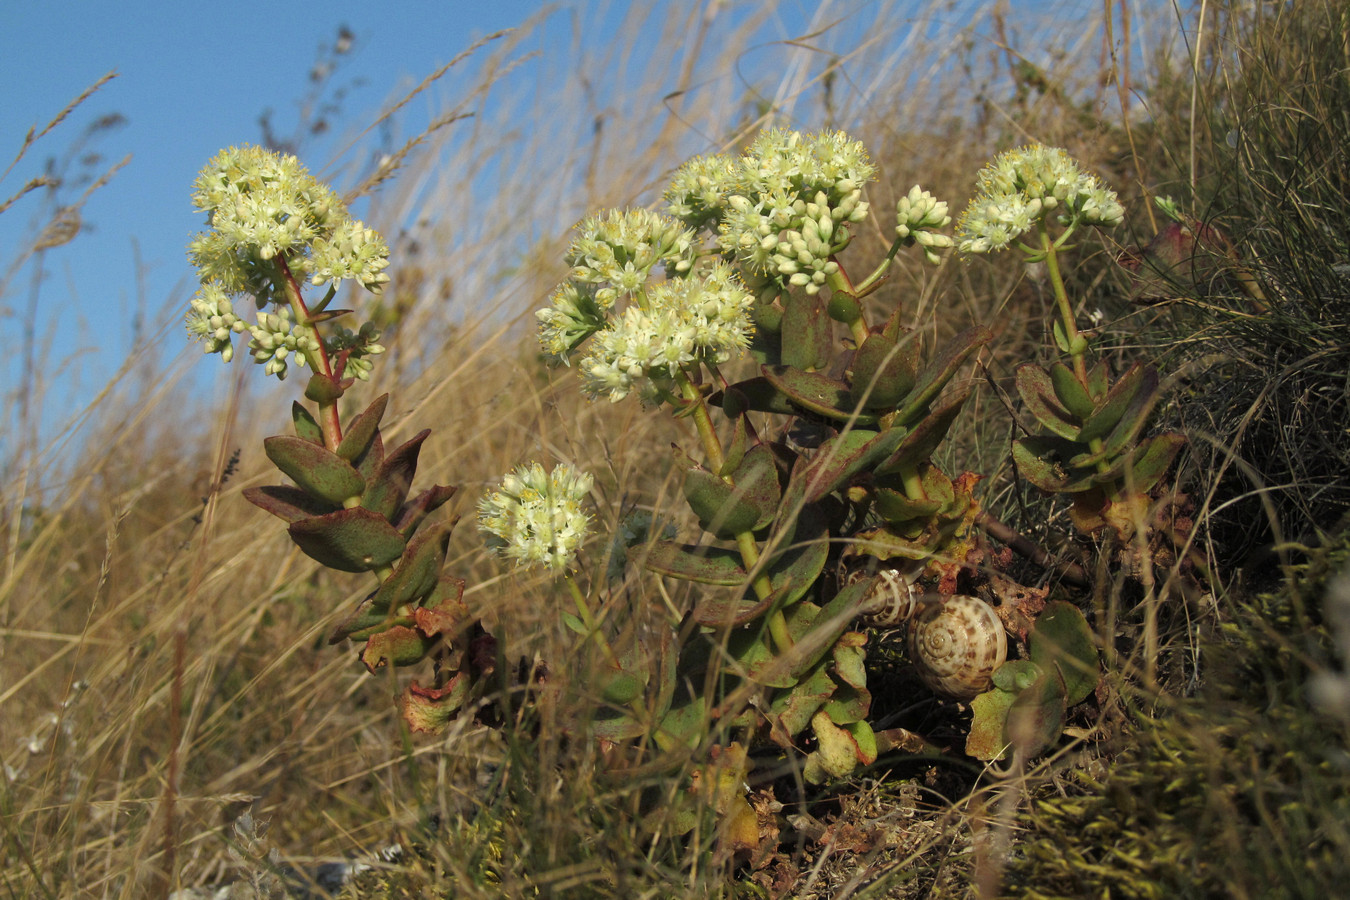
column 1023, row 186
column 535, row 517
column 797, row 193
column 675, row 324
column 268, row 217
column 917, row 215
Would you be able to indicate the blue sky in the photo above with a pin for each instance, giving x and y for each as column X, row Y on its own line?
column 193, row 77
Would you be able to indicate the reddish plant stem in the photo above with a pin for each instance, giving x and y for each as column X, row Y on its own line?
column 328, row 412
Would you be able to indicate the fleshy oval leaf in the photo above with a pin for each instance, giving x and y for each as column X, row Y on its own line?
column 316, row 469
column 349, row 540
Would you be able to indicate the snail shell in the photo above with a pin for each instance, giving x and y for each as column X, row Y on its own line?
column 892, row 599
column 957, row 645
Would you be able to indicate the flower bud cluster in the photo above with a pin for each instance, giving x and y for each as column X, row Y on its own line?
column 783, row 208
column 916, row 215
column 1021, row 187
column 276, row 337
column 211, row 320
column 535, row 517
column 359, row 347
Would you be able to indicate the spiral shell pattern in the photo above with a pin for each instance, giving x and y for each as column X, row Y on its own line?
column 956, row 646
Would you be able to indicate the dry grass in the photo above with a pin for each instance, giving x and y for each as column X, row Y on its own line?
column 163, row 663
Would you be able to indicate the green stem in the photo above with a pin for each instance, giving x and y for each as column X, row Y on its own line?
column 745, row 541
column 1077, row 345
column 1076, row 348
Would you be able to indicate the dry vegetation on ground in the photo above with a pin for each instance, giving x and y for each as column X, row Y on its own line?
column 163, row 662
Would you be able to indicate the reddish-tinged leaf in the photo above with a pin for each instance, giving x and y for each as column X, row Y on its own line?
column 924, row 438
column 939, row 371
column 1038, row 394
column 361, row 432
column 314, row 468
column 415, row 511
column 430, row 710
column 349, row 540
column 385, row 494
column 883, row 372
column 286, row 502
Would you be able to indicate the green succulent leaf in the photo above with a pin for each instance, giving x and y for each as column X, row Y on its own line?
column 1036, row 717
column 1153, row 458
column 807, row 331
column 705, row 565
column 385, row 494
column 721, row 509
column 397, row 646
column 795, row 569
column 1123, row 437
column 415, row 511
column 1071, row 392
column 845, row 455
column 816, row 393
column 919, row 444
column 1043, row 461
column 755, row 659
column 684, row 725
column 1037, row 391
column 306, row 426
column 896, row 507
column 1062, row 639
column 361, row 432
column 349, row 540
column 289, row 503
column 791, row 711
column 758, row 394
column 884, row 370
column 325, row 389
column 843, row 308
column 728, row 510
column 837, row 751
column 413, row 578
column 939, row 371
column 316, row 469
column 1016, row 675
column 1140, row 379
column 719, row 610
column 987, row 739
column 368, row 463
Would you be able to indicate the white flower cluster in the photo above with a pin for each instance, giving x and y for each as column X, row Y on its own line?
column 917, row 214
column 679, row 323
column 617, row 252
column 687, row 319
column 262, row 205
column 263, row 209
column 1022, row 186
column 535, row 517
